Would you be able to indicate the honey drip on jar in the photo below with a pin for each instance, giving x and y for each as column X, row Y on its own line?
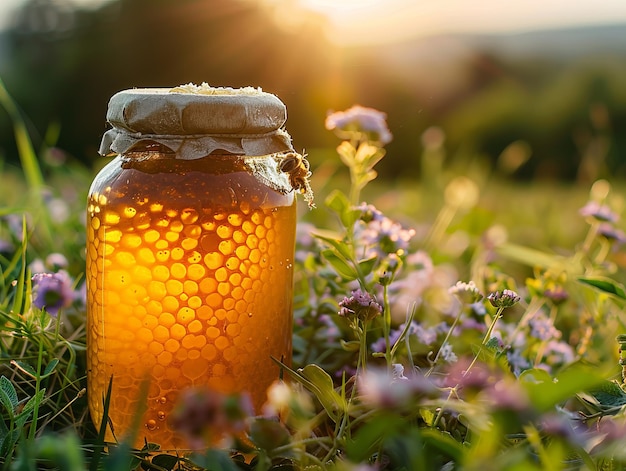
column 189, row 268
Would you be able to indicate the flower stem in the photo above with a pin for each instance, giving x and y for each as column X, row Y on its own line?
column 444, row 343
column 485, row 339
column 387, row 326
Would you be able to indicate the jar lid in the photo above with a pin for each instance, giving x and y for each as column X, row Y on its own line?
column 195, row 120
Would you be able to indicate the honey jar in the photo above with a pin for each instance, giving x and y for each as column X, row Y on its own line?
column 190, row 245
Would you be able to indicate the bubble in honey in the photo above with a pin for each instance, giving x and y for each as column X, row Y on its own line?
column 161, row 415
column 151, row 424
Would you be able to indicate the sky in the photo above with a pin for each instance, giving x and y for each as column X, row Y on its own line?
column 354, row 22
column 363, row 21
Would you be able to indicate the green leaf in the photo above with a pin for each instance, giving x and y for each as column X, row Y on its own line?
column 545, row 395
column 317, row 381
column 50, row 368
column 443, row 442
column 606, row 285
column 334, row 240
column 268, row 434
column 529, row 257
column 427, row 416
column 323, row 389
column 27, row 411
column 350, row 346
column 370, row 435
column 339, row 203
column 215, row 459
column 8, row 395
column 493, row 344
column 608, row 398
column 25, row 368
column 340, row 265
column 165, row 461
column 367, row 265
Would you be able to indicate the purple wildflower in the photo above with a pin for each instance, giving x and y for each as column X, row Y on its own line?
column 207, row 416
column 383, row 390
column 424, row 335
column 360, row 305
column 360, row 119
column 556, row 294
column 508, row 395
column 542, row 328
column 558, row 353
column 52, row 291
column 6, row 246
column 385, row 236
column 369, row 213
column 600, row 212
column 611, row 233
column 467, row 293
column 505, row 298
column 331, row 332
column 563, row 427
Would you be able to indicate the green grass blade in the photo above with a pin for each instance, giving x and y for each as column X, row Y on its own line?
column 99, row 445
column 27, row 154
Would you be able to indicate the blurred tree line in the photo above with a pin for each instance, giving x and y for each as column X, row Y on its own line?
column 531, row 116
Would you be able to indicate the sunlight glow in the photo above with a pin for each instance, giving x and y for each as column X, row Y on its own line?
column 354, row 22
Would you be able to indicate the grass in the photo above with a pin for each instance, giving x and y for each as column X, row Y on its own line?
column 406, row 374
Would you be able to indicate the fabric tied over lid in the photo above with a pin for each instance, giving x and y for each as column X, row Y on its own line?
column 194, row 121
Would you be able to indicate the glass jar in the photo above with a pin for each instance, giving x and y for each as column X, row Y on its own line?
column 191, row 232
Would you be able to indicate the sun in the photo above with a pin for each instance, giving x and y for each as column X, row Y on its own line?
column 344, row 22
column 351, row 22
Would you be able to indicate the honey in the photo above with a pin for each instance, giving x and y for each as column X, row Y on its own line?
column 189, row 283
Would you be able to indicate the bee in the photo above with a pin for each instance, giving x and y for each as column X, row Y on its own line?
column 297, row 167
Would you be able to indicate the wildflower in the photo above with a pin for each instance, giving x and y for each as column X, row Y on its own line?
column 52, row 291
column 542, row 328
column 467, row 293
column 56, row 261
column 549, row 285
column 599, row 212
column 517, row 361
column 447, row 355
column 360, row 119
column 53, row 263
column 6, row 246
column 207, row 416
column 388, row 269
column 471, row 381
column 369, row 213
column 360, row 305
column 398, row 372
column 383, row 390
column 385, row 236
column 424, row 335
column 420, row 276
column 563, row 427
column 557, row 294
column 331, row 331
column 287, row 403
column 505, row 298
column 611, row 233
column 558, row 352
column 508, row 395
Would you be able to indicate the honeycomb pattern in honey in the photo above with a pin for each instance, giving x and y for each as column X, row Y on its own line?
column 183, row 293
